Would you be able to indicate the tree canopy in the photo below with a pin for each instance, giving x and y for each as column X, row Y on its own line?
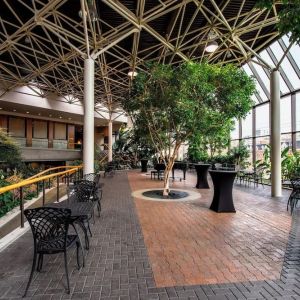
column 173, row 102
column 289, row 17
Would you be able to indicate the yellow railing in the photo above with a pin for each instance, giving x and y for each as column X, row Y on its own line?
column 36, row 178
column 41, row 177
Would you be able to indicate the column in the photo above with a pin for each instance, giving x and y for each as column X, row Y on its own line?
column 293, row 120
column 275, row 134
column 88, row 121
column 110, row 140
column 253, row 136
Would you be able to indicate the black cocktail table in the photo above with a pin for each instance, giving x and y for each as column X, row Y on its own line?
column 202, row 170
column 223, row 183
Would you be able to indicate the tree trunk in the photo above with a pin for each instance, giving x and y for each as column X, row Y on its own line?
column 167, row 173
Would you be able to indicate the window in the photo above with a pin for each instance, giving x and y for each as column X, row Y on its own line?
column 247, row 126
column 285, row 115
column 261, row 144
column 40, row 129
column 16, row 126
column 262, row 120
column 286, row 65
column 234, row 135
column 249, row 143
column 298, row 112
column 60, row 131
column 286, row 141
column 298, row 141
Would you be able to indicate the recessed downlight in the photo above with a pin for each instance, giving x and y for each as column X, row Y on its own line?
column 27, row 112
column 60, row 117
column 14, row 110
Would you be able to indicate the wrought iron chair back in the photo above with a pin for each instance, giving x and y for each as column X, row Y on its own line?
column 92, row 177
column 83, row 190
column 48, row 223
column 49, row 227
column 295, row 183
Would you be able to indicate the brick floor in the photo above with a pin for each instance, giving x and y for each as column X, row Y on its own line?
column 189, row 244
column 118, row 265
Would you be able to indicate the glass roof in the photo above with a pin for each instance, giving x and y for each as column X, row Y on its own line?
column 289, row 70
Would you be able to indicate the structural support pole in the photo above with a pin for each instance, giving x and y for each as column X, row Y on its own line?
column 275, row 134
column 88, row 122
column 110, row 139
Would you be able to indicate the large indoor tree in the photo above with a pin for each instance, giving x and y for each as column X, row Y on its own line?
column 172, row 102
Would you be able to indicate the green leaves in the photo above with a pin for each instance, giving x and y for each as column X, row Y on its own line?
column 289, row 17
column 174, row 103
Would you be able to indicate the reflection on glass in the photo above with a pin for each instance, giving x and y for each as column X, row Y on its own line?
column 262, row 120
column 261, row 144
column 298, row 141
column 248, row 143
column 286, row 141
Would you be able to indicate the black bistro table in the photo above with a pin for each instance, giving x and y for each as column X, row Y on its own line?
column 202, row 170
column 80, row 212
column 223, row 183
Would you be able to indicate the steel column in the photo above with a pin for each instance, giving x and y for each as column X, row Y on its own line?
column 88, row 125
column 110, row 140
column 275, row 134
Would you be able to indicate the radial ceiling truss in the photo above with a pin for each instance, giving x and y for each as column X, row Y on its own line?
column 43, row 43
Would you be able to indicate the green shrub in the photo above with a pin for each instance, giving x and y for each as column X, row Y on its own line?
column 7, row 201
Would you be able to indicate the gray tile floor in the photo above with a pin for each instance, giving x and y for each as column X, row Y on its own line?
column 117, row 264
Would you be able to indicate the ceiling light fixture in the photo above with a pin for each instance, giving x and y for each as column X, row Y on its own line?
column 27, row 112
column 132, row 74
column 92, row 10
column 211, row 45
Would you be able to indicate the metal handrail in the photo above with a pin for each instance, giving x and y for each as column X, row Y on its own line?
column 36, row 180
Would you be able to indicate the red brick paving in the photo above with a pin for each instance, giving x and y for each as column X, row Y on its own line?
column 189, row 244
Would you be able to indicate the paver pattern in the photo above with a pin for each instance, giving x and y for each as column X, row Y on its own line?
column 118, row 266
column 190, row 244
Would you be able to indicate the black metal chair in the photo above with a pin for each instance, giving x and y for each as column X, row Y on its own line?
column 110, row 168
column 49, row 227
column 83, row 191
column 295, row 194
column 98, row 188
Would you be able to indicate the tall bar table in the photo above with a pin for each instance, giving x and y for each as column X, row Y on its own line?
column 202, row 170
column 223, row 183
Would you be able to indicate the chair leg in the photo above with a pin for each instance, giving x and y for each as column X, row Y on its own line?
column 77, row 254
column 40, row 262
column 99, row 207
column 89, row 228
column 67, row 273
column 31, row 273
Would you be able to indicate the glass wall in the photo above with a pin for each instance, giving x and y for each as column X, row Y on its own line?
column 290, row 101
